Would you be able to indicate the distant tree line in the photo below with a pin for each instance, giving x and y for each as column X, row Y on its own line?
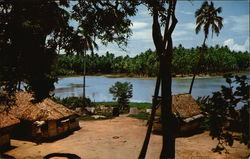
column 217, row 60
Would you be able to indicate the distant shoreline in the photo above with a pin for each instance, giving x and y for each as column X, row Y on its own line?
column 189, row 76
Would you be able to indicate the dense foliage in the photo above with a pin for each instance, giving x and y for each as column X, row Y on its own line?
column 73, row 102
column 32, row 32
column 122, row 92
column 217, row 60
column 228, row 112
column 26, row 52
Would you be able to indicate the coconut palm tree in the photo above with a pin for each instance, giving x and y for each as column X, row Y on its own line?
column 206, row 17
column 88, row 44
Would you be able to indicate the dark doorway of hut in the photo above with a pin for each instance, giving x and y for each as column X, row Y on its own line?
column 184, row 117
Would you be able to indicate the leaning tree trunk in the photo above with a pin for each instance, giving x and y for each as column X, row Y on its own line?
column 151, row 119
column 196, row 70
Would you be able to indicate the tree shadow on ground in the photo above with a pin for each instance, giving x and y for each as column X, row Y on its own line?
column 5, row 149
column 183, row 134
column 3, row 156
column 67, row 155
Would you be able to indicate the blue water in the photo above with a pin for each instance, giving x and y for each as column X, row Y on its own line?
column 97, row 87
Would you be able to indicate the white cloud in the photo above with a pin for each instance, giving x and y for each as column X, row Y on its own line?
column 237, row 47
column 144, row 34
column 178, row 33
column 139, row 25
column 225, row 21
column 240, row 24
column 188, row 26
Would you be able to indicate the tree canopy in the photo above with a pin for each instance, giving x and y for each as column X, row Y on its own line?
column 32, row 31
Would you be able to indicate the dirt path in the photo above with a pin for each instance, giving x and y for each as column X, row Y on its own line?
column 121, row 138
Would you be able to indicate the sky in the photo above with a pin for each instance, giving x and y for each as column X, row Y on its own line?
column 234, row 34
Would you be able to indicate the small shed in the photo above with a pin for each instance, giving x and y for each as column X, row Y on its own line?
column 7, row 122
column 47, row 118
column 186, row 110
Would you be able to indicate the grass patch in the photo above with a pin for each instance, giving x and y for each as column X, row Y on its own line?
column 140, row 105
column 137, row 105
column 106, row 103
column 90, row 118
column 142, row 116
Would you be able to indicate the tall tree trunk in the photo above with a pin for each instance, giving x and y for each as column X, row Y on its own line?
column 167, row 118
column 196, row 70
column 168, row 146
column 84, row 74
column 151, row 119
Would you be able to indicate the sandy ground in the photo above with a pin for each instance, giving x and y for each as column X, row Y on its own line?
column 121, row 138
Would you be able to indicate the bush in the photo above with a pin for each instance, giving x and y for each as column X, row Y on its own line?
column 142, row 116
column 228, row 111
column 122, row 92
column 73, row 102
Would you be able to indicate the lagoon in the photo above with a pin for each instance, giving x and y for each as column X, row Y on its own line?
column 97, row 87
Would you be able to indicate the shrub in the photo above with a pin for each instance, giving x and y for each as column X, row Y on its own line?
column 142, row 116
column 73, row 102
column 228, row 111
column 122, row 92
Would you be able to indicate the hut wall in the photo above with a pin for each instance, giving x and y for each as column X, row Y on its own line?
column 4, row 140
column 185, row 128
column 73, row 124
column 65, row 125
column 52, row 128
column 192, row 126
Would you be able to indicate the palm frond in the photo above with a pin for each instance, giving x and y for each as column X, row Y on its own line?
column 206, row 16
column 215, row 29
column 200, row 18
column 219, row 21
column 200, row 10
column 198, row 28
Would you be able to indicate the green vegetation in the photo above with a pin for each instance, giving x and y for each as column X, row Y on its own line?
column 34, row 32
column 137, row 105
column 142, row 116
column 122, row 92
column 89, row 118
column 217, row 60
column 228, row 112
column 73, row 102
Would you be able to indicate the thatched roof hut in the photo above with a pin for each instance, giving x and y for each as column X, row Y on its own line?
column 45, row 110
column 7, row 120
column 45, row 119
column 185, row 109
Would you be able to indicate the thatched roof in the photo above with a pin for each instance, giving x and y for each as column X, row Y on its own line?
column 184, row 106
column 45, row 110
column 6, row 119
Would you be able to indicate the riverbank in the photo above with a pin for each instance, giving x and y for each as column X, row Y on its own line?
column 122, row 138
column 178, row 76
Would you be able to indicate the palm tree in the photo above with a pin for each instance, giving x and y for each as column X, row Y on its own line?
column 206, row 16
column 88, row 44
